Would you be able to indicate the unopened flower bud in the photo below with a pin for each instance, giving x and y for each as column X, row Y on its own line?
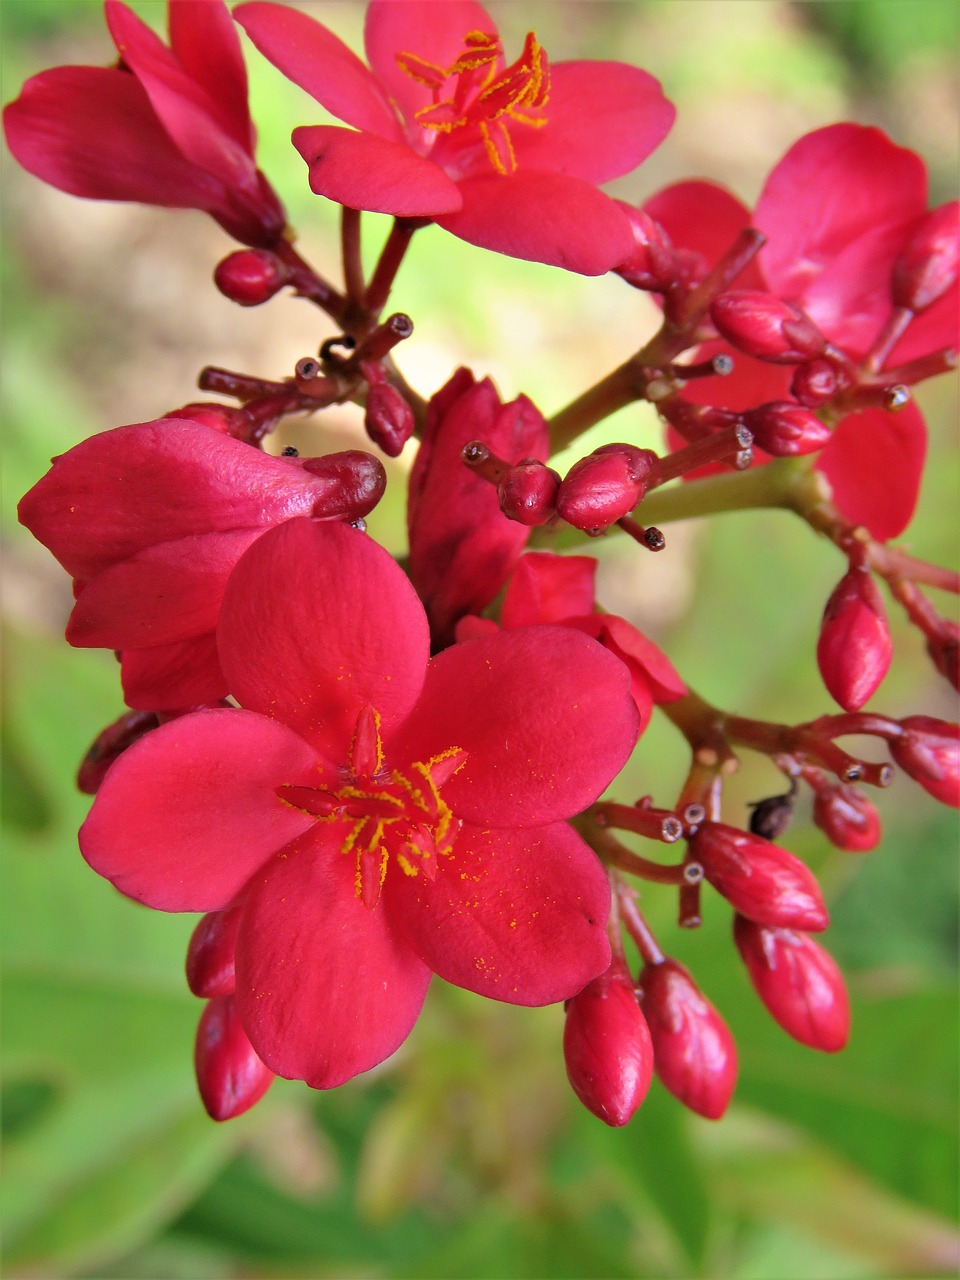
column 759, row 879
column 607, row 1047
column 693, row 1051
column 250, row 276
column 388, row 418
column 848, row 818
column 528, row 492
column 225, row 418
column 650, row 265
column 928, row 263
column 817, row 381
column 766, row 327
column 210, row 970
column 110, row 743
column 929, row 751
column 786, row 429
column 799, row 983
column 356, row 483
column 230, row 1076
column 606, row 485
column 854, row 647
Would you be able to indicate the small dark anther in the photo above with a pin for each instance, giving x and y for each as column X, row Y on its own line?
column 853, row 773
column 290, row 452
column 343, row 340
column 360, row 524
column 654, row 539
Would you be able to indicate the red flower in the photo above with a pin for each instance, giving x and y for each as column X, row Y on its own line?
column 462, row 547
column 547, row 588
column 150, row 519
column 840, row 210
column 379, row 816
column 163, row 126
column 506, row 157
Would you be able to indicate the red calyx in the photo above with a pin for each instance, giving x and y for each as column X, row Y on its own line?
column 799, row 982
column 651, row 264
column 786, row 430
column 528, row 492
column 224, row 418
column 607, row 1047
column 928, row 263
column 250, row 276
column 759, row 879
column 230, row 1076
column 818, row 380
column 929, row 751
column 848, row 818
column 694, row 1053
column 210, row 970
column 766, row 327
column 604, row 486
column 854, row 648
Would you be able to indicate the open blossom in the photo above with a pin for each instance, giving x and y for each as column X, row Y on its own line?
column 376, row 816
column 165, row 126
column 838, row 211
column 548, row 588
column 150, row 519
column 506, row 156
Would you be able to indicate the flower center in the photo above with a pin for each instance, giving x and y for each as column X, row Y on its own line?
column 479, row 98
column 398, row 813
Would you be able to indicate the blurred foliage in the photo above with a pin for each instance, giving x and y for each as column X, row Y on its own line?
column 467, row 1155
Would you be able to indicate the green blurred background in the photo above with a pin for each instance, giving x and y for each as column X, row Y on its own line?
column 467, row 1155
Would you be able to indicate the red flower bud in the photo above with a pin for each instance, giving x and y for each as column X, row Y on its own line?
column 850, row 820
column 786, row 430
column 604, row 486
column 357, row 481
column 528, row 492
column 929, row 751
column 210, row 970
column 854, row 648
column 759, row 879
column 818, row 381
column 766, row 327
column 388, row 418
column 250, row 276
column 230, row 1076
column 218, row 417
column 110, row 743
column 928, row 263
column 799, row 983
column 607, row 1047
column 693, row 1051
column 651, row 264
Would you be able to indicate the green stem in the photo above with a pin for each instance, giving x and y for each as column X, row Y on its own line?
column 785, row 482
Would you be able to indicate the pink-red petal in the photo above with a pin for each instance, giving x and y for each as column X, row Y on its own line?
column 433, row 32
column 830, row 188
column 319, row 62
column 706, row 218
column 168, row 677
column 326, row 988
column 317, row 622
column 874, row 462
column 603, row 119
column 161, row 595
column 518, row 916
column 204, row 41
column 364, row 171
column 548, row 588
column 188, row 813
column 544, row 715
column 543, row 217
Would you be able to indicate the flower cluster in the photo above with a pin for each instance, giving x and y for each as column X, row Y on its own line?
column 364, row 772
